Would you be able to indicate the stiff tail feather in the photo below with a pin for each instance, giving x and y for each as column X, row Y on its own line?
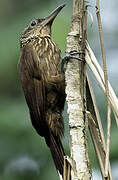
column 57, row 152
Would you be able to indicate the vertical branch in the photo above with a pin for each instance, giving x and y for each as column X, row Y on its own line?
column 76, row 93
column 96, row 130
column 106, row 87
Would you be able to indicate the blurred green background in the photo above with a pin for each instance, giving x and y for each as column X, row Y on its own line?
column 23, row 154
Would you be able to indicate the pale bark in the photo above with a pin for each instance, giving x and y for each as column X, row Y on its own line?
column 76, row 95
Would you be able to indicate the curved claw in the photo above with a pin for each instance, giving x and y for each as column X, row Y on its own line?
column 70, row 55
column 65, row 59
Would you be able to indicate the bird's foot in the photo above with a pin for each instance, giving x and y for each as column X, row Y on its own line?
column 71, row 55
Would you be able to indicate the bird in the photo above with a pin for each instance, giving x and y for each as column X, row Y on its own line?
column 43, row 83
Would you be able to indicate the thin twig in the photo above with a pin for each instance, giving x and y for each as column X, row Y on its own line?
column 65, row 170
column 106, row 87
column 99, row 75
column 96, row 130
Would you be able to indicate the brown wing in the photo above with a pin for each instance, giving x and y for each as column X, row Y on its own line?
column 34, row 90
column 33, row 86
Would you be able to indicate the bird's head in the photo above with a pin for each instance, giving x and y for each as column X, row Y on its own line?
column 40, row 27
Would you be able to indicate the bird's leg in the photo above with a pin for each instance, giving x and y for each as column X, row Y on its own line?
column 71, row 55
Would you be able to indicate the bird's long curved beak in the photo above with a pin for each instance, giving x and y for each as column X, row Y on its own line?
column 51, row 17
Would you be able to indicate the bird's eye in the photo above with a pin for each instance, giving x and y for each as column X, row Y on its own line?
column 33, row 23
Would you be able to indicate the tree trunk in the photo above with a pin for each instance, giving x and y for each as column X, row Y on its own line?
column 76, row 94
